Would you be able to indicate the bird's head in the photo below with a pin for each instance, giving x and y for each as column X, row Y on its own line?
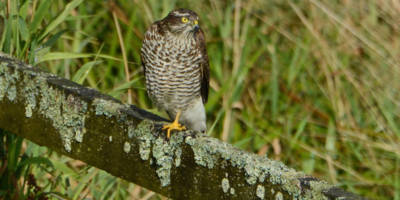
column 183, row 21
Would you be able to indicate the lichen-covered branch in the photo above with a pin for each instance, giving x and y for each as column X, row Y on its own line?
column 125, row 141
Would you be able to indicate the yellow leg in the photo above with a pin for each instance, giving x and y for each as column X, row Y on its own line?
column 174, row 125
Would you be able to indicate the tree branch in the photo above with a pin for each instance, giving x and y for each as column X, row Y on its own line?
column 124, row 140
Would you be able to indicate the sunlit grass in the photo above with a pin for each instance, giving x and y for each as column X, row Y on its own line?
column 313, row 83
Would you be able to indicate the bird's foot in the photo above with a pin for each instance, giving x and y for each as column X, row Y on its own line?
column 175, row 125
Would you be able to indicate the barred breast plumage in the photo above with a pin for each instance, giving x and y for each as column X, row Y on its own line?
column 175, row 63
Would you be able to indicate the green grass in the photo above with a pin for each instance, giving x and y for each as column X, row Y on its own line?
column 314, row 83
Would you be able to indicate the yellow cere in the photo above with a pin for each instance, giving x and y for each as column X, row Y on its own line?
column 184, row 20
column 196, row 22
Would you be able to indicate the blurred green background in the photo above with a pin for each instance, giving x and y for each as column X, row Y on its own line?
column 313, row 83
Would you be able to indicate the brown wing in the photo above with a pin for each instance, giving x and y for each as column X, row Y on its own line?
column 205, row 68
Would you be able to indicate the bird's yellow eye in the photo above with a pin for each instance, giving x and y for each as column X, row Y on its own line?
column 184, row 20
column 196, row 22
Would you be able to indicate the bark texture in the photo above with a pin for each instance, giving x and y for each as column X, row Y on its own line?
column 125, row 141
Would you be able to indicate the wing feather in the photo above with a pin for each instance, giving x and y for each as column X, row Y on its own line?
column 205, row 68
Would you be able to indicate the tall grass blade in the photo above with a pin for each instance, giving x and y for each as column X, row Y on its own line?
column 83, row 72
column 39, row 15
column 23, row 29
column 61, row 18
column 63, row 55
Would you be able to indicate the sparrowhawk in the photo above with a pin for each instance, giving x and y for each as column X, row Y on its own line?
column 176, row 68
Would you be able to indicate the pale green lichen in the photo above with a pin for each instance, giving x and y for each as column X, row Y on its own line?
column 252, row 171
column 279, row 196
column 163, row 156
column 257, row 169
column 225, row 185
column 207, row 151
column 140, row 132
column 164, row 153
column 107, row 108
column 73, row 116
column 30, row 92
column 178, row 154
column 260, row 191
column 127, row 147
column 232, row 191
column 67, row 113
column 203, row 154
column 12, row 93
column 79, row 134
column 318, row 186
column 8, row 81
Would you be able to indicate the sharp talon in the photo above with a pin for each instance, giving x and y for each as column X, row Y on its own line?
column 174, row 126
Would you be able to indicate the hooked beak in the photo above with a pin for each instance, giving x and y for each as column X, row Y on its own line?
column 196, row 27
